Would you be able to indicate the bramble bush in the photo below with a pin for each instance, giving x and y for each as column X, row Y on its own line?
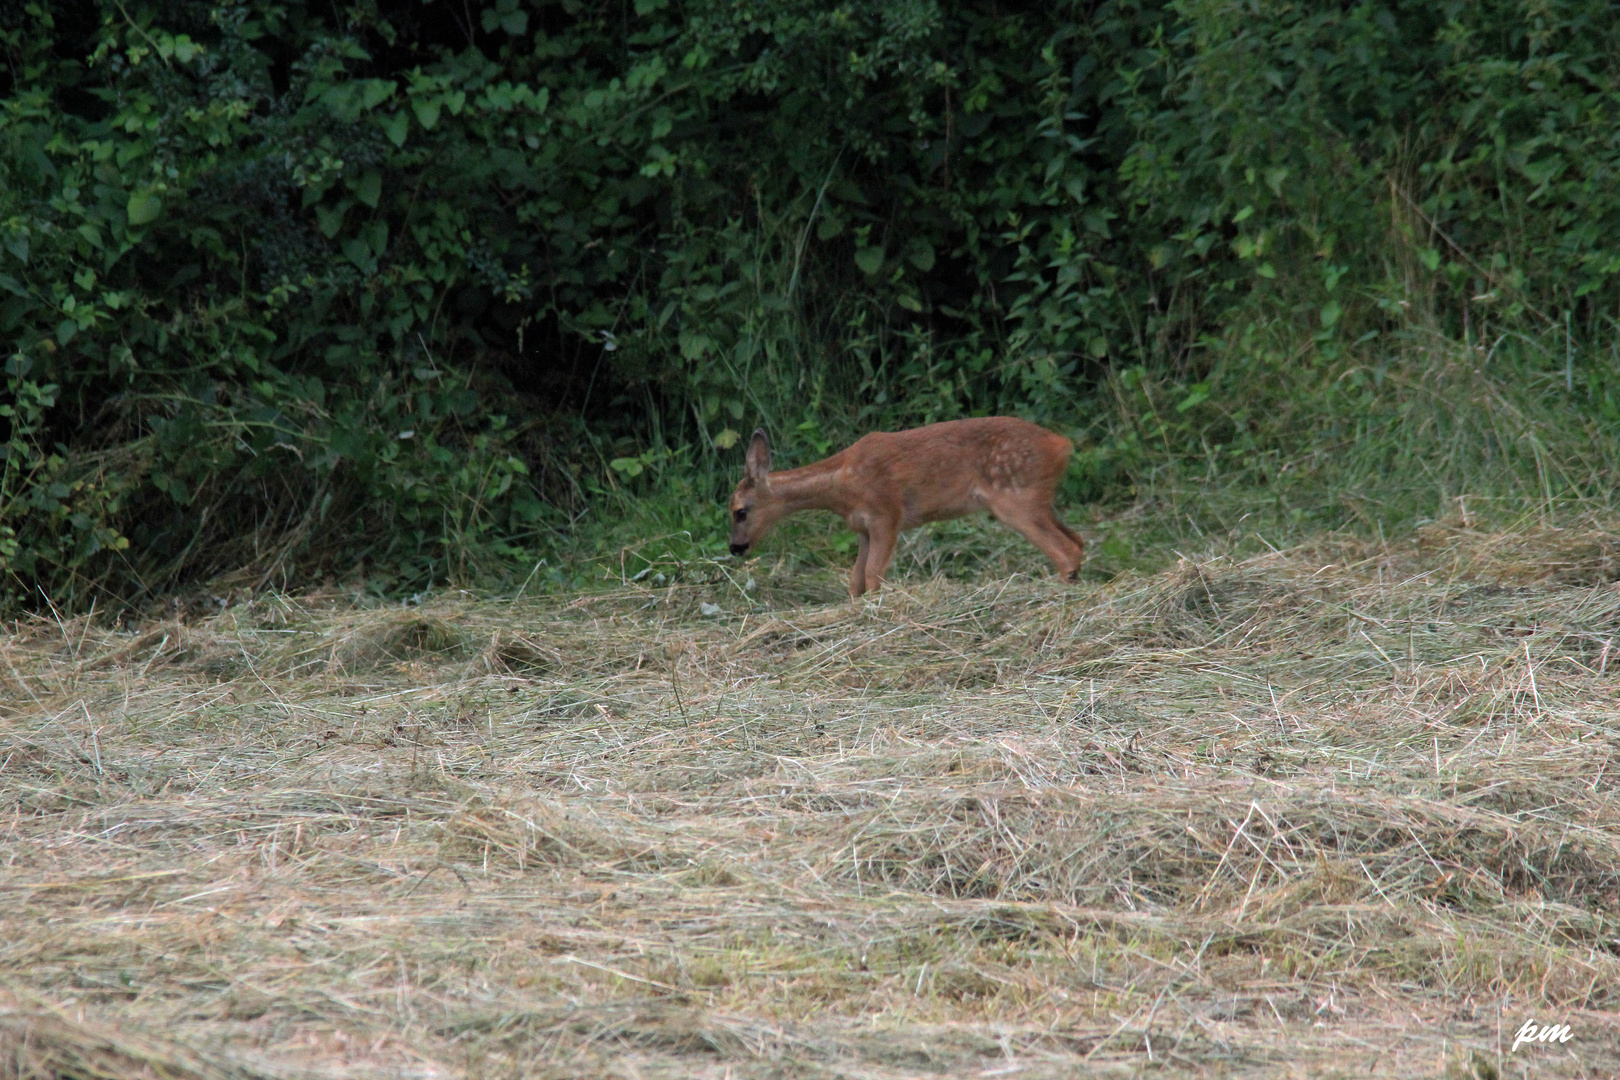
column 417, row 293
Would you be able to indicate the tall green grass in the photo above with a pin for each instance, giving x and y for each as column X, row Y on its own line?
column 1276, row 443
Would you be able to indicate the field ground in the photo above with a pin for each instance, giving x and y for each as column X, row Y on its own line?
column 1341, row 810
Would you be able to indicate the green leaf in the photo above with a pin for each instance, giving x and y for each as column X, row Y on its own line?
column 1266, row 270
column 329, row 219
column 848, row 191
column 727, row 439
column 629, row 466
column 427, row 111
column 694, row 345
column 921, row 255
column 1429, row 257
column 359, row 253
column 12, row 313
column 1539, row 172
column 368, row 189
column 397, row 126
column 343, row 101
column 144, row 207
column 869, row 259
column 1243, row 215
column 1331, row 311
column 373, row 92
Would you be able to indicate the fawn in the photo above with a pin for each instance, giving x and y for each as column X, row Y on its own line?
column 887, row 482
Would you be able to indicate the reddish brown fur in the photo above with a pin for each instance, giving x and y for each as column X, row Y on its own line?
column 888, row 482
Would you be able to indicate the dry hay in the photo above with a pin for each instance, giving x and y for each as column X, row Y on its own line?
column 38, row 1041
column 1337, row 810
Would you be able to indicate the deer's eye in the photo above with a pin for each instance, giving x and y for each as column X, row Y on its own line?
column 742, row 515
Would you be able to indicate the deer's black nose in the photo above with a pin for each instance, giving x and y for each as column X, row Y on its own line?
column 739, row 549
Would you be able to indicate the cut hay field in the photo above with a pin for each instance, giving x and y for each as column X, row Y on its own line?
column 1343, row 810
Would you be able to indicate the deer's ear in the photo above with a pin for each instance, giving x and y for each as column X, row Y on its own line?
column 759, row 455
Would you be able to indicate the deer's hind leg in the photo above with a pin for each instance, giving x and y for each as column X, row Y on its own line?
column 1039, row 524
column 1079, row 543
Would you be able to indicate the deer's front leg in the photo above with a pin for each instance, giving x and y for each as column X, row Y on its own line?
column 857, row 575
column 884, row 534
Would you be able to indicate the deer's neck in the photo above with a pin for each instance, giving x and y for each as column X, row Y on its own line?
column 813, row 487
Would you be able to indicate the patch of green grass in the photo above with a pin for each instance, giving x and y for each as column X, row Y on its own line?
column 1283, row 445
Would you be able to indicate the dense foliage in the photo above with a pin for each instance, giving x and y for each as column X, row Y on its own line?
column 400, row 288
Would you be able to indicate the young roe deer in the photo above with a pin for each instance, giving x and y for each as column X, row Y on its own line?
column 888, row 482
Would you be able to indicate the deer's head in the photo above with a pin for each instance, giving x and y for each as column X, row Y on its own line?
column 753, row 509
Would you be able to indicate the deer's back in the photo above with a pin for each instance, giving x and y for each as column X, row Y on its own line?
column 948, row 469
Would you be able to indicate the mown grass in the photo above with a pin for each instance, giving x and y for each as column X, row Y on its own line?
column 1342, row 809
